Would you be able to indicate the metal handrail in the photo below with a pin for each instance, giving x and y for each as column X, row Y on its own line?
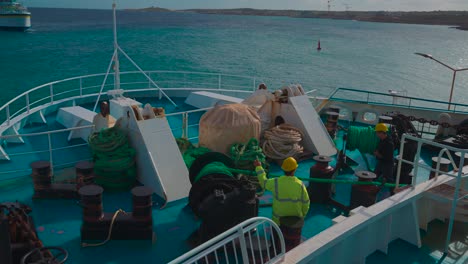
column 415, row 163
column 52, row 132
column 47, row 132
column 50, row 149
column 189, row 112
column 458, row 176
column 336, row 91
column 103, row 74
column 238, row 234
column 248, row 81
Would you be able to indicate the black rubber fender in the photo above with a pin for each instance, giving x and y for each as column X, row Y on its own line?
column 206, row 159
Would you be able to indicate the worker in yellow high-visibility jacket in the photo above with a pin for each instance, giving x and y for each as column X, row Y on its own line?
column 290, row 197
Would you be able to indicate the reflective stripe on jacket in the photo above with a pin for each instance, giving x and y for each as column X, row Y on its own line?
column 290, row 197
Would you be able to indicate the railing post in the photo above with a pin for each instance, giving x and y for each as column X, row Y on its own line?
column 254, row 84
column 149, row 78
column 400, row 160
column 81, row 87
column 368, row 96
column 438, row 163
column 8, row 114
column 51, row 160
column 185, row 125
column 27, row 102
column 243, row 245
column 416, row 163
column 219, row 81
column 51, row 93
column 455, row 201
column 441, row 152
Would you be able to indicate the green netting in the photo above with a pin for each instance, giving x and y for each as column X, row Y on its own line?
column 245, row 154
column 114, row 159
column 189, row 152
column 362, row 138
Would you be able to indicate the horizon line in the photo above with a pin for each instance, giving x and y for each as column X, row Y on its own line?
column 260, row 9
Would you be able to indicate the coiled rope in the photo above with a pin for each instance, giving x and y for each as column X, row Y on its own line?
column 283, row 141
column 114, row 159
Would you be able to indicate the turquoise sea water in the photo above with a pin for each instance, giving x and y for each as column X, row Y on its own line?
column 368, row 56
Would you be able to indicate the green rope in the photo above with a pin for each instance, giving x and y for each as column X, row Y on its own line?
column 362, row 138
column 244, row 155
column 318, row 180
column 114, row 159
column 189, row 152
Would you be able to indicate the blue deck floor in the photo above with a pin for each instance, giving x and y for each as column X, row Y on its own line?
column 58, row 221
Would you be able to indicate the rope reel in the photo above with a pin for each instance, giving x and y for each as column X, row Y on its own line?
column 362, row 138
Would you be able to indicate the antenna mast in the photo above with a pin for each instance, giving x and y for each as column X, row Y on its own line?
column 115, row 61
column 346, row 7
column 116, row 52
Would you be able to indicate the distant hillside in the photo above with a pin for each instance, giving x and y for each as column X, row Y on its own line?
column 151, row 9
column 458, row 19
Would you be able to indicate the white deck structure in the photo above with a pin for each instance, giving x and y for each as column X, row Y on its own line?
column 209, row 99
column 159, row 162
column 301, row 114
column 76, row 116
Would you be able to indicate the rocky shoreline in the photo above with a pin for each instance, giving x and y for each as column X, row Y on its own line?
column 456, row 19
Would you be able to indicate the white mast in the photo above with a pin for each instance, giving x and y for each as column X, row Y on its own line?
column 116, row 56
column 115, row 61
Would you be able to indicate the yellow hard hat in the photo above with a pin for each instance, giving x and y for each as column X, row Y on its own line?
column 289, row 164
column 381, row 127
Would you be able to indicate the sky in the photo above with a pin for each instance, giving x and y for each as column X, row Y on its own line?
column 338, row 5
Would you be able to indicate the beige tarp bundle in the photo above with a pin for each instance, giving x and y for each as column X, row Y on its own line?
column 225, row 125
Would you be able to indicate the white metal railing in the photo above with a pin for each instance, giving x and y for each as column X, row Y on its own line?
column 170, row 79
column 185, row 122
column 50, row 149
column 51, row 135
column 457, row 172
column 253, row 241
column 132, row 81
column 185, row 128
column 70, row 89
column 426, row 130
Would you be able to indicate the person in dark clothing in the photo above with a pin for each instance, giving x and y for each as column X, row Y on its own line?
column 384, row 153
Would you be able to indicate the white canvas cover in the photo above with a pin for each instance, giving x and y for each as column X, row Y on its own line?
column 259, row 98
column 225, row 125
